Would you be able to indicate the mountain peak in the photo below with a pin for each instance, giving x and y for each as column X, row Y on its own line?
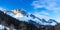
column 25, row 16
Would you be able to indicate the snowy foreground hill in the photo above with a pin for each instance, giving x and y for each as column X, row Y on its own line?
column 22, row 15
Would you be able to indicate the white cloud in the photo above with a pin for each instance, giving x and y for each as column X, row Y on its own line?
column 36, row 4
column 44, row 13
column 50, row 5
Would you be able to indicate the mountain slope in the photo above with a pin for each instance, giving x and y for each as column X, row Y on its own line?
column 24, row 16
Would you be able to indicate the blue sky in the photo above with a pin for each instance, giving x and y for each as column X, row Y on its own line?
column 41, row 8
column 14, row 4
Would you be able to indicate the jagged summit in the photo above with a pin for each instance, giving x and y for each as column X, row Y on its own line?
column 25, row 16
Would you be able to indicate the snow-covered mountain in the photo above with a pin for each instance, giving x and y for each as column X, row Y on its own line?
column 22, row 15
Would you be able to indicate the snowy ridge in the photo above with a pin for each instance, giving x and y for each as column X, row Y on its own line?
column 24, row 16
